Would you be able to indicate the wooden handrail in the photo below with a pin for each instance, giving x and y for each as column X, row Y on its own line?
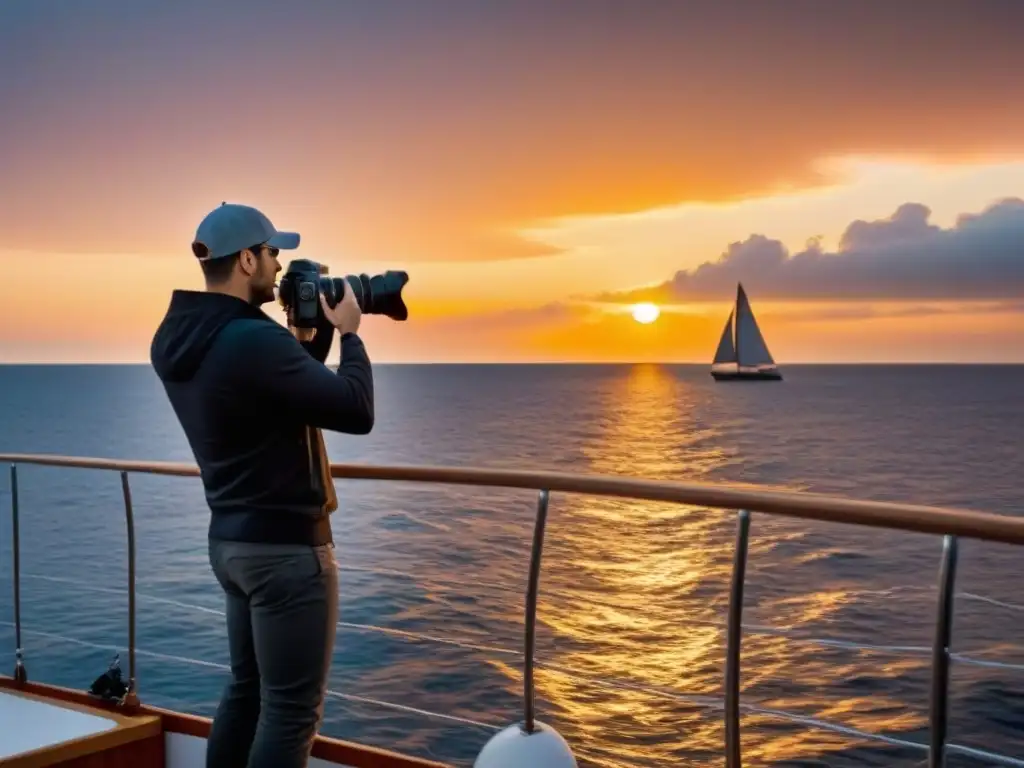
column 951, row 523
column 811, row 506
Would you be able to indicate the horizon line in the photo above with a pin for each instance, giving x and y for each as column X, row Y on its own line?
column 795, row 364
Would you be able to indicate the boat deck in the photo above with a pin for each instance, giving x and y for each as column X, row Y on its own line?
column 44, row 725
column 37, row 731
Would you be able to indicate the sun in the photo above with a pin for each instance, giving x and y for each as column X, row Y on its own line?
column 645, row 312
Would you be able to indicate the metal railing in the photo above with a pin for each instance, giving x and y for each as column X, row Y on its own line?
column 950, row 523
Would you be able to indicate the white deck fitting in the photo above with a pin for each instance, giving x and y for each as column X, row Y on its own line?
column 29, row 724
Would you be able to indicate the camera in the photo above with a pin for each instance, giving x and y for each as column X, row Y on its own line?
column 300, row 287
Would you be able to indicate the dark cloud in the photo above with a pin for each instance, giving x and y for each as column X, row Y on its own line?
column 903, row 257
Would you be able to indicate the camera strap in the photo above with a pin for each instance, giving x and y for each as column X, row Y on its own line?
column 322, row 466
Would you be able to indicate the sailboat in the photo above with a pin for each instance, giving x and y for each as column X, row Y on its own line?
column 742, row 353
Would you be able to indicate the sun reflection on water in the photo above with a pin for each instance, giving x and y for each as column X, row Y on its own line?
column 631, row 595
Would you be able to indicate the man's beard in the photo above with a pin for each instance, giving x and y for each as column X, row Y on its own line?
column 260, row 296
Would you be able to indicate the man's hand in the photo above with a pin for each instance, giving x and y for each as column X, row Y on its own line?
column 346, row 315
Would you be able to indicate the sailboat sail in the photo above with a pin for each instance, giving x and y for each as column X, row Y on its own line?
column 726, row 352
column 751, row 349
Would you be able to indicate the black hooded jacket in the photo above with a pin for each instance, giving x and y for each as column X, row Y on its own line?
column 249, row 397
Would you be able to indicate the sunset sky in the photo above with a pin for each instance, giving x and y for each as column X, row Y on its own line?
column 537, row 167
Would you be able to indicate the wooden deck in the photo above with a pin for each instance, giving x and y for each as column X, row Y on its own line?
column 44, row 725
column 40, row 731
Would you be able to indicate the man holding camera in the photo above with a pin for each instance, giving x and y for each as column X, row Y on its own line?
column 252, row 400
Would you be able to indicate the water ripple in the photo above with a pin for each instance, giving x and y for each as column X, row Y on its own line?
column 838, row 620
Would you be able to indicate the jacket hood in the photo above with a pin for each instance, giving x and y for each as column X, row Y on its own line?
column 192, row 324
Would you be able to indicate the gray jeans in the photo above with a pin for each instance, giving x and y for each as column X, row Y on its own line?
column 282, row 612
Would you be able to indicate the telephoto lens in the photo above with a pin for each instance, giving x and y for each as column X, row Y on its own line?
column 304, row 279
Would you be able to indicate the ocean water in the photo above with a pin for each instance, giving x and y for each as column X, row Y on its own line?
column 632, row 607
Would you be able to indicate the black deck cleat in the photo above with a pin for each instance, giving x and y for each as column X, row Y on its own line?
column 110, row 686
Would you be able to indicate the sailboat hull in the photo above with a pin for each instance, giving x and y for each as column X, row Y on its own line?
column 746, row 375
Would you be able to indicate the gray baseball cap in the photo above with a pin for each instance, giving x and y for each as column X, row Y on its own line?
column 230, row 228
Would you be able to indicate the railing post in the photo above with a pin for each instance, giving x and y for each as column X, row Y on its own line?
column 131, row 699
column 20, row 673
column 532, row 591
column 734, row 639
column 939, row 704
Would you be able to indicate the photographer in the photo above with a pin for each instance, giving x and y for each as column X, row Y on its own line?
column 252, row 400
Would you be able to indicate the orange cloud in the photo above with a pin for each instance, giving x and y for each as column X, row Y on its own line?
column 882, row 334
column 402, row 136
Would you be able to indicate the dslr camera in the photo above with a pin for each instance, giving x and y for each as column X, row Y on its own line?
column 299, row 289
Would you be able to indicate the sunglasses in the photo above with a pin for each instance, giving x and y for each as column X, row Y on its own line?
column 268, row 248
